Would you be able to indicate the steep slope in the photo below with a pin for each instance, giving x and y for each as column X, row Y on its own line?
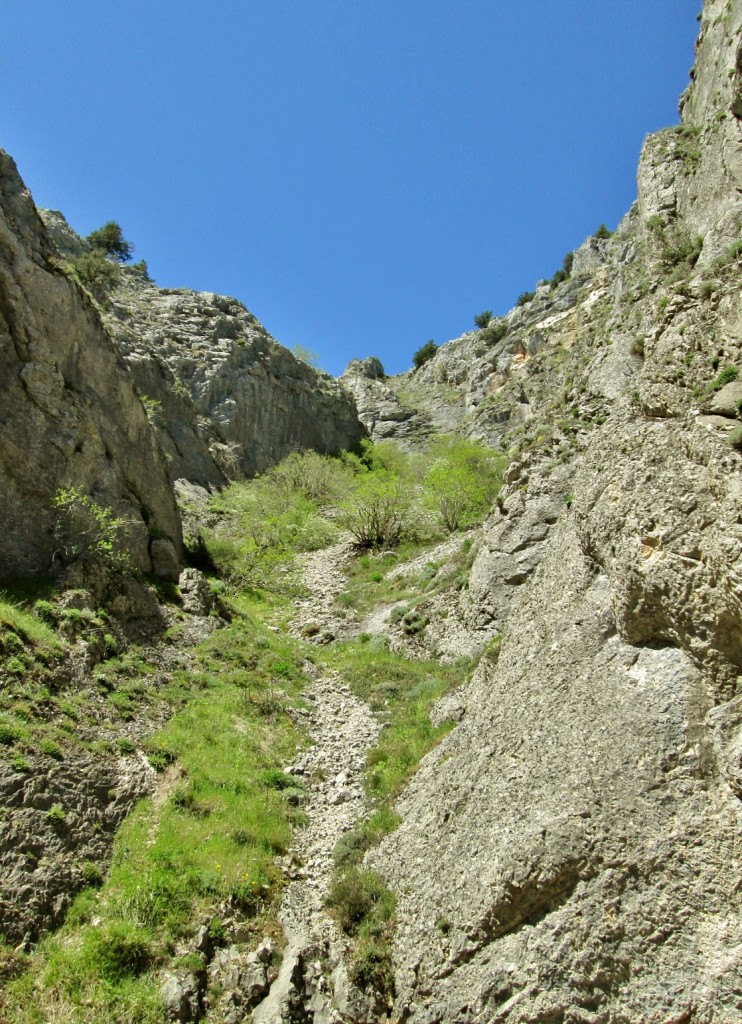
column 227, row 401
column 70, row 415
column 571, row 852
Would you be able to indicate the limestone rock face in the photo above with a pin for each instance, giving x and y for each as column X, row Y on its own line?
column 381, row 409
column 227, row 400
column 69, row 415
column 571, row 852
column 63, row 814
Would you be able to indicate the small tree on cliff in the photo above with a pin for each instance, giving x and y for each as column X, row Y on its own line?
column 110, row 240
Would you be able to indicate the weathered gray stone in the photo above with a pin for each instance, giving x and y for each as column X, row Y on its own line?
column 727, row 401
column 165, row 561
column 70, row 416
column 232, row 402
column 195, row 592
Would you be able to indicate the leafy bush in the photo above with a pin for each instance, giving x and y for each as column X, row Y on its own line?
column 723, row 377
column 119, row 951
column 603, row 232
column 680, row 249
column 56, row 814
column 305, row 355
column 141, row 268
column 424, row 354
column 91, row 874
column 735, row 438
column 87, row 531
column 482, row 319
column 708, row 288
column 317, row 477
column 355, row 895
column 462, row 481
column 378, row 513
column 9, row 734
column 97, row 273
column 266, row 521
column 110, row 240
column 495, row 332
column 525, row 297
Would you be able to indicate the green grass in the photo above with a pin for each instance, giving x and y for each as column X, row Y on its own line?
column 211, row 837
column 402, row 692
column 368, row 586
column 16, row 618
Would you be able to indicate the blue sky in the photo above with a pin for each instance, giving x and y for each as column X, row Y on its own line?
column 363, row 174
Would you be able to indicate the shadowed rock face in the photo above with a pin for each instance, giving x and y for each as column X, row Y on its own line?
column 69, row 415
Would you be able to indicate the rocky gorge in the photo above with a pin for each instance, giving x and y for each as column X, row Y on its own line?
column 568, row 849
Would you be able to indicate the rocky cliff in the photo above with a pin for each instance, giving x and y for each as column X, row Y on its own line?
column 227, row 401
column 70, row 414
column 571, row 852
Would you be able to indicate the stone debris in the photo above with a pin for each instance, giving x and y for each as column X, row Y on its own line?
column 342, row 730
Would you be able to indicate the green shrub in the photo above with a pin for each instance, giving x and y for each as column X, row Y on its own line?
column 686, row 145
column 558, row 277
column 603, row 232
column 482, row 319
column 680, row 249
column 305, row 355
column 87, row 531
column 118, row 951
column 56, row 814
column 424, row 354
column 462, row 481
column 495, row 332
column 125, row 745
column 355, row 895
column 46, row 611
column 524, row 298
column 723, row 377
column 413, row 622
column 371, row 965
column 51, row 749
column 97, row 273
column 91, row 874
column 378, row 513
column 9, row 734
column 735, row 438
column 110, row 240
column 141, row 268
column 708, row 288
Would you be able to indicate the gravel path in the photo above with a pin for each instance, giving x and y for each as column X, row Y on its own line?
column 317, row 618
column 342, row 729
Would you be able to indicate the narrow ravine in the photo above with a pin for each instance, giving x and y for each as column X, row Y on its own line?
column 342, row 730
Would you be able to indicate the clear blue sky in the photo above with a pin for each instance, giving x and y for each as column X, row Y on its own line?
column 363, row 174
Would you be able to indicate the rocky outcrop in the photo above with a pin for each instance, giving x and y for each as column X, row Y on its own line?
column 571, row 852
column 69, row 412
column 225, row 399
column 381, row 408
column 61, row 815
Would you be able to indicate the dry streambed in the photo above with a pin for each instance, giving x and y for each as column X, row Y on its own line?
column 342, row 729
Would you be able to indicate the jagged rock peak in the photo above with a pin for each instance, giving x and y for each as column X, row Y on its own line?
column 370, row 367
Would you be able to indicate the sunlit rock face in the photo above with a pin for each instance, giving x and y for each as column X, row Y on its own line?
column 571, row 851
column 70, row 412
